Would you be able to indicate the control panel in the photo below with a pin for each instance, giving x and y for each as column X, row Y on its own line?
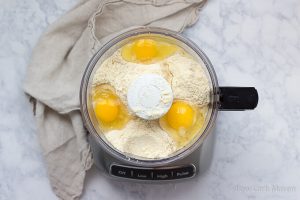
column 170, row 173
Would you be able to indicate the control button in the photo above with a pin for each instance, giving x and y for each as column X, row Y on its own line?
column 121, row 171
column 142, row 174
column 183, row 172
column 162, row 175
column 153, row 174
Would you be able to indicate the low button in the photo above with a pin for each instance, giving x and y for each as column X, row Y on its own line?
column 142, row 174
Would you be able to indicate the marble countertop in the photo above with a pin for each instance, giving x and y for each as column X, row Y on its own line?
column 257, row 153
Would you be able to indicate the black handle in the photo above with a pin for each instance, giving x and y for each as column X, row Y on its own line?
column 238, row 98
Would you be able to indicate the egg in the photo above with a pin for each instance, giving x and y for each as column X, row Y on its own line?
column 109, row 110
column 147, row 50
column 183, row 121
column 180, row 115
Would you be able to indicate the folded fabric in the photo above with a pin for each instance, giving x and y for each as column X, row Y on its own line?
column 57, row 65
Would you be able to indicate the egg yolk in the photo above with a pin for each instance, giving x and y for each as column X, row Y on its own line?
column 180, row 115
column 108, row 108
column 147, row 50
column 183, row 122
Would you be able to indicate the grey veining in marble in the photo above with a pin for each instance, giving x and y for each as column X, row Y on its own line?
column 257, row 153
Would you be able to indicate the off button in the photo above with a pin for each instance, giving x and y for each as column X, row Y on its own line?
column 121, row 171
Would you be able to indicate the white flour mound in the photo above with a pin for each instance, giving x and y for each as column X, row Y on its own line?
column 145, row 138
column 142, row 138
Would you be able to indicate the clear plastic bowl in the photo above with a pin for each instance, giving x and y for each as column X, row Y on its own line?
column 107, row 50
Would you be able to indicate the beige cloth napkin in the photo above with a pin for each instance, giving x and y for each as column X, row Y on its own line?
column 58, row 62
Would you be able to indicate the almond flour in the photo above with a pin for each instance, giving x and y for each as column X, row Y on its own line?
column 143, row 138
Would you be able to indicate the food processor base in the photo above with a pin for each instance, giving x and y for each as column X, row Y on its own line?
column 195, row 164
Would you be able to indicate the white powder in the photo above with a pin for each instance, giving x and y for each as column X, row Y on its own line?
column 142, row 138
column 150, row 96
column 145, row 138
column 189, row 81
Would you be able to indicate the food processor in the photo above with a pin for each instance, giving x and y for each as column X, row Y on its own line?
column 189, row 161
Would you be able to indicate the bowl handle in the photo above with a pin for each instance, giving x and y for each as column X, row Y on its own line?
column 237, row 98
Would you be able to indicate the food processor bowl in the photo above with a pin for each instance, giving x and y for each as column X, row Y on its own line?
column 221, row 98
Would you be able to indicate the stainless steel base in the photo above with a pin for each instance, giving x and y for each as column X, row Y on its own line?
column 199, row 160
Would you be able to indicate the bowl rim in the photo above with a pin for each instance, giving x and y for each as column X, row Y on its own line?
column 108, row 148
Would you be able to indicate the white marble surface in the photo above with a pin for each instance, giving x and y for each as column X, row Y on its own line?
column 257, row 153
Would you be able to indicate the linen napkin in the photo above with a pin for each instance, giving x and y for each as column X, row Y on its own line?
column 57, row 65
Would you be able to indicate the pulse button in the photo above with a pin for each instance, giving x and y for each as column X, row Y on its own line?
column 183, row 172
